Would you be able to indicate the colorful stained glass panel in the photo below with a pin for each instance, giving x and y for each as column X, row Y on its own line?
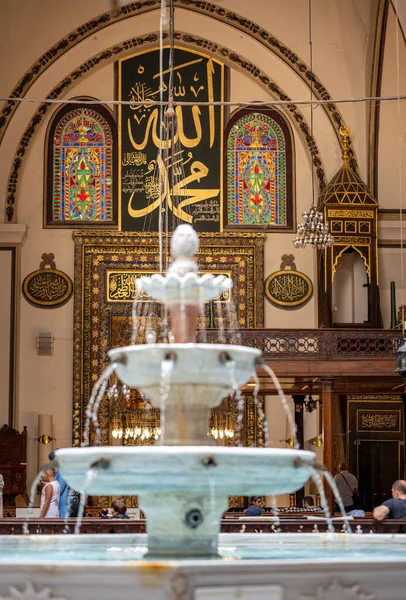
column 82, row 179
column 256, row 172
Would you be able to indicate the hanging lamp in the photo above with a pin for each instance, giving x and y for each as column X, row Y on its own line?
column 313, row 231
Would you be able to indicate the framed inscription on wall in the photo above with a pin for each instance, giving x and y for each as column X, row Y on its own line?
column 179, row 171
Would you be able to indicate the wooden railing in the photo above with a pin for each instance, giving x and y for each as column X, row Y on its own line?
column 313, row 344
column 288, row 524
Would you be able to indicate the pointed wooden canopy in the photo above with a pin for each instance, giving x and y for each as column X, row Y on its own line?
column 346, row 187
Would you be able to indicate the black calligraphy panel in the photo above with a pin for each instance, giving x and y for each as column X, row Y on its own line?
column 47, row 288
column 288, row 289
column 180, row 172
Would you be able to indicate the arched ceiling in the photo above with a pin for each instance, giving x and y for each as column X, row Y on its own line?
column 213, row 11
column 127, row 47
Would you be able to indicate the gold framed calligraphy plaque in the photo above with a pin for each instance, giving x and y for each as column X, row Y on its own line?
column 121, row 285
column 378, row 420
column 288, row 289
column 47, row 288
column 182, row 174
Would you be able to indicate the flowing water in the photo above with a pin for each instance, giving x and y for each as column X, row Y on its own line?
column 275, row 513
column 33, row 493
column 281, row 394
column 320, row 487
column 92, row 410
column 239, row 398
column 90, row 475
column 337, row 496
column 98, row 391
column 167, row 366
column 136, row 313
column 232, row 320
column 66, row 528
column 220, row 321
column 260, row 410
column 202, row 314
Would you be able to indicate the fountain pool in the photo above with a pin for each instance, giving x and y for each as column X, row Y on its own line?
column 249, row 566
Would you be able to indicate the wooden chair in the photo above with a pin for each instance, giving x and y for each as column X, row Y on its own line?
column 13, row 464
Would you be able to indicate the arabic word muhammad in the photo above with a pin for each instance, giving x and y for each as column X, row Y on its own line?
column 378, row 421
column 288, row 288
column 47, row 288
column 180, row 173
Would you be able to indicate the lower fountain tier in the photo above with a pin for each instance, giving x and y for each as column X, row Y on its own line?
column 183, row 491
column 228, row 471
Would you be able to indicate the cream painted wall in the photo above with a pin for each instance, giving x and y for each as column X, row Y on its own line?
column 341, row 44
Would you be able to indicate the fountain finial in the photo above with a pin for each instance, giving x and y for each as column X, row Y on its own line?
column 184, row 245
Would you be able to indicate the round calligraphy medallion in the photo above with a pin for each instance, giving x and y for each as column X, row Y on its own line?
column 47, row 288
column 288, row 289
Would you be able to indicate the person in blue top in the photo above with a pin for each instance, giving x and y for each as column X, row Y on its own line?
column 63, row 499
column 395, row 508
column 255, row 510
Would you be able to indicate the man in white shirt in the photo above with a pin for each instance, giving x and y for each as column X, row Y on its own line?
column 347, row 485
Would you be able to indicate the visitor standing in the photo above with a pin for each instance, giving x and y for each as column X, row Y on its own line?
column 255, row 510
column 347, row 486
column 395, row 508
column 69, row 499
column 50, row 496
column 63, row 486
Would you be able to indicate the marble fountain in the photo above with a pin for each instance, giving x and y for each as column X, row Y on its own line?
column 183, row 484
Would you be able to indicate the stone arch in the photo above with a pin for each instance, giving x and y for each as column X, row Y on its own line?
column 232, row 19
column 231, row 58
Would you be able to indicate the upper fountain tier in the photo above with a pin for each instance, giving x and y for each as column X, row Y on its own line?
column 182, row 285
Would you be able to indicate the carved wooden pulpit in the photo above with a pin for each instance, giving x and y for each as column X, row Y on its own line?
column 13, row 464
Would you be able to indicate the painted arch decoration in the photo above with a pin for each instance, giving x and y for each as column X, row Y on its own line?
column 259, row 180
column 81, row 159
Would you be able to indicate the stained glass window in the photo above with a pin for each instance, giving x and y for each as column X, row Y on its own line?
column 81, row 159
column 259, row 170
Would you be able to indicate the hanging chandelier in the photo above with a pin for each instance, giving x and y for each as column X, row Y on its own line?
column 219, row 428
column 222, row 425
column 313, row 231
column 132, row 420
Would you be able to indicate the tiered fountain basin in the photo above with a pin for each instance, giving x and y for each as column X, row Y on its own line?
column 218, row 366
column 191, row 288
column 184, row 490
column 213, row 470
column 185, row 381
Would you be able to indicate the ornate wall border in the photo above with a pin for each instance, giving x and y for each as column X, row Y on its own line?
column 209, row 9
column 96, row 252
column 229, row 57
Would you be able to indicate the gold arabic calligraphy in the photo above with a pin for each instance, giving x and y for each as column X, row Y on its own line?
column 141, row 138
column 288, row 287
column 379, row 421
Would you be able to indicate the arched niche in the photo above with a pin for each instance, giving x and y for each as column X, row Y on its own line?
column 350, row 289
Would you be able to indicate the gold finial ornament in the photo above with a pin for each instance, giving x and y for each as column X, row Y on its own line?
column 345, row 133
